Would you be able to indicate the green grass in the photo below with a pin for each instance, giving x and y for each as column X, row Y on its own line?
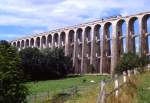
column 55, row 86
column 135, row 91
column 143, row 88
column 42, row 91
column 140, row 93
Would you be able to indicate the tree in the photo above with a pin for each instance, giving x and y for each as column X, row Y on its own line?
column 127, row 62
column 31, row 59
column 57, row 62
column 12, row 86
column 143, row 61
column 45, row 64
column 130, row 61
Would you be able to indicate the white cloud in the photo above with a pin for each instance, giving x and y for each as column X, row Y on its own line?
column 53, row 14
column 38, row 31
column 10, row 36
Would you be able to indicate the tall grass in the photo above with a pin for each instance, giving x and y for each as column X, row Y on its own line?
column 135, row 91
column 126, row 94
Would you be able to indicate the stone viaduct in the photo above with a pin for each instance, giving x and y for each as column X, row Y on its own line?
column 99, row 43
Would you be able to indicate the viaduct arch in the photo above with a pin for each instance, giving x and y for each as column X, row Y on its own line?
column 99, row 43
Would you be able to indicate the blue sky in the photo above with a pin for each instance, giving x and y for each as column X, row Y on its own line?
column 25, row 17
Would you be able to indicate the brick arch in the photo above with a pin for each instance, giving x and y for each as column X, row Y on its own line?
column 134, row 36
column 146, row 34
column 71, row 44
column 121, row 37
column 87, row 49
column 32, row 42
column 27, row 43
column 97, row 31
column 107, row 26
column 79, row 34
column 144, row 22
column 97, row 47
column 87, row 33
column 22, row 43
column 38, row 42
column 56, row 39
column 18, row 44
column 131, row 24
column 43, row 42
column 107, row 47
column 71, row 36
column 14, row 44
column 62, row 39
column 79, row 47
column 49, row 40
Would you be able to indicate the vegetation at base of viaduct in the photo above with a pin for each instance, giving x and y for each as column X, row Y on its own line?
column 12, row 88
column 45, row 64
column 130, row 61
column 34, row 64
column 28, row 64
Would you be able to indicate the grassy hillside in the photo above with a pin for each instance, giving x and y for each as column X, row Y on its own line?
column 58, row 85
column 143, row 91
column 137, row 90
column 85, row 87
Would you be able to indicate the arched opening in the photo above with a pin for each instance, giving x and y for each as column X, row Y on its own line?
column 79, row 51
column 32, row 42
column 97, row 48
column 62, row 39
column 27, row 43
column 71, row 43
column 107, row 47
column 146, row 33
column 134, row 35
column 55, row 40
column 79, row 35
column 148, row 43
column 121, row 37
column 22, row 44
column 88, row 33
column 14, row 44
column 87, row 50
column 18, row 44
column 43, row 42
column 148, row 24
column 49, row 41
column 38, row 42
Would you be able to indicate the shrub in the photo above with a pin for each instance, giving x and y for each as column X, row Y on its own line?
column 130, row 61
column 127, row 62
column 143, row 61
column 12, row 89
column 91, row 68
column 48, row 63
column 31, row 63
